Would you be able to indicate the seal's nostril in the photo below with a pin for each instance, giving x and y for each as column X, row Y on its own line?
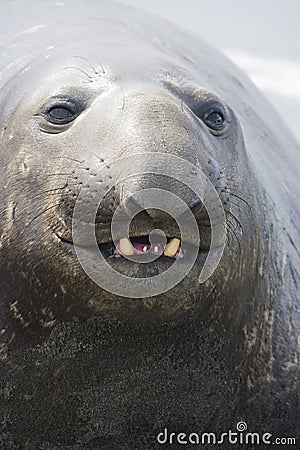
column 133, row 204
column 135, row 199
column 157, row 215
column 196, row 202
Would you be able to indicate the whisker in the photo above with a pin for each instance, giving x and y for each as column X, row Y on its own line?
column 232, row 179
column 233, row 203
column 231, row 232
column 80, row 70
column 235, row 194
column 50, row 190
column 67, row 157
column 234, row 183
column 92, row 66
column 123, row 95
column 41, row 213
column 236, row 220
column 242, row 199
column 232, row 223
column 59, row 174
column 101, row 160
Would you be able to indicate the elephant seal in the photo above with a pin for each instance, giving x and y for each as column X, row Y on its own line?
column 81, row 366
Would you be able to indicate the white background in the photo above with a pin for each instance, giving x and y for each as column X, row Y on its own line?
column 261, row 36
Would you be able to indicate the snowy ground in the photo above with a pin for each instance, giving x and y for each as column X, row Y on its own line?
column 261, row 36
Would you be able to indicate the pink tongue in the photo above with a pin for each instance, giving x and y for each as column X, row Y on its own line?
column 155, row 249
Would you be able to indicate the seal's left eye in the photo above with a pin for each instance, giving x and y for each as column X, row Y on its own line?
column 212, row 113
column 214, row 119
column 62, row 113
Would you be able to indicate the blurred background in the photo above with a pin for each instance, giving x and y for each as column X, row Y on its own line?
column 261, row 36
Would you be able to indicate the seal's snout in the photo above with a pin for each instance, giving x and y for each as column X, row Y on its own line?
column 157, row 215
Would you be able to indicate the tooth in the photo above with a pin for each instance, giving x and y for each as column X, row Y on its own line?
column 172, row 247
column 126, row 247
column 155, row 249
column 145, row 248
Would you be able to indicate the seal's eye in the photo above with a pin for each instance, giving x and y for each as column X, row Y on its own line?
column 214, row 119
column 213, row 113
column 62, row 112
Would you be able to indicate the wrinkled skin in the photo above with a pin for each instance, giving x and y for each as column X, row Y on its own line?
column 94, row 370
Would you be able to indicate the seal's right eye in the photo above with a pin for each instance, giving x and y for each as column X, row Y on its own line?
column 62, row 112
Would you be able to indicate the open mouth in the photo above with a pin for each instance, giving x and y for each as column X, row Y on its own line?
column 145, row 242
column 145, row 246
column 142, row 246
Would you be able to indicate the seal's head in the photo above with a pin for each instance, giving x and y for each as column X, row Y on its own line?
column 126, row 194
column 105, row 125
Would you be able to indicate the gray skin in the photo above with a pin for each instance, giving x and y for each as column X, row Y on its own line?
column 81, row 367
